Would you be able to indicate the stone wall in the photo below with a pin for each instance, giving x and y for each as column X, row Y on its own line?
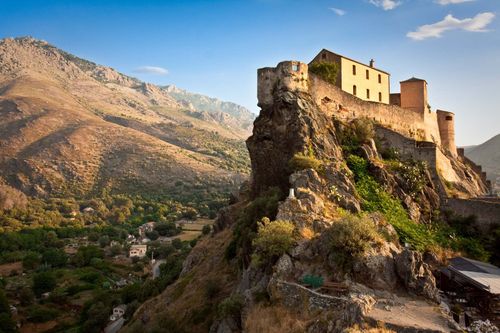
column 334, row 101
column 486, row 211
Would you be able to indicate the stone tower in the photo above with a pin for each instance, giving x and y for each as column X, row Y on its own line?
column 414, row 96
column 446, row 124
column 288, row 75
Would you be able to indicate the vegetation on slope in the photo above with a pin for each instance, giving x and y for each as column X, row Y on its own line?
column 421, row 237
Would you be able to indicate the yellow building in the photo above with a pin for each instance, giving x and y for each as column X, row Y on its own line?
column 363, row 81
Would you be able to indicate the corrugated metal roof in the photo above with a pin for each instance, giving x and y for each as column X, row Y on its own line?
column 480, row 274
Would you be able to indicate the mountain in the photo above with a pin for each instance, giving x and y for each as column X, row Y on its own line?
column 69, row 126
column 224, row 112
column 487, row 155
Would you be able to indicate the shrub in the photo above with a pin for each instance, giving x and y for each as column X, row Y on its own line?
column 43, row 282
column 212, row 289
column 38, row 314
column 230, row 307
column 350, row 238
column 266, row 205
column 328, row 71
column 274, row 238
column 206, row 229
column 300, row 161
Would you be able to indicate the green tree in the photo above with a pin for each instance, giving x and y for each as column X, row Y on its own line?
column 43, row 282
column 274, row 238
column 104, row 241
column 327, row 71
column 54, row 257
column 206, row 229
column 31, row 260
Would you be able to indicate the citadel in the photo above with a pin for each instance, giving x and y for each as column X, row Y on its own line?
column 404, row 120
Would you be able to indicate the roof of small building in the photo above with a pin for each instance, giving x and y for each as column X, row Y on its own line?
column 414, row 79
column 138, row 246
column 483, row 275
column 356, row 61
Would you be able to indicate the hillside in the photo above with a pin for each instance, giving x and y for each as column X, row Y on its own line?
column 72, row 127
column 487, row 155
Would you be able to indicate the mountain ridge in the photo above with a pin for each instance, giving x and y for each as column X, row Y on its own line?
column 487, row 155
column 72, row 127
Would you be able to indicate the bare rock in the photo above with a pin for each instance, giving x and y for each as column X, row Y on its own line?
column 416, row 274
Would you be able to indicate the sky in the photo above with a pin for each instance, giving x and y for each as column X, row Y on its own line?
column 214, row 47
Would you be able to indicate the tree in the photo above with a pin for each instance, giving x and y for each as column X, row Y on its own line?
column 85, row 254
column 54, row 257
column 167, row 229
column 96, row 317
column 31, row 260
column 4, row 303
column 327, row 71
column 206, row 229
column 104, row 241
column 43, row 282
column 177, row 243
column 7, row 325
column 153, row 235
column 274, row 238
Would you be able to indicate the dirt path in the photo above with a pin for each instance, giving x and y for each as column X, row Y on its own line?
column 409, row 312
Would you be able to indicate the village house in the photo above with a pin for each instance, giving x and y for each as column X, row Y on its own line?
column 118, row 312
column 137, row 250
column 472, row 289
column 145, row 228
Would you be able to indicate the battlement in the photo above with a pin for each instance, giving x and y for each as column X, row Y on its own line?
column 287, row 75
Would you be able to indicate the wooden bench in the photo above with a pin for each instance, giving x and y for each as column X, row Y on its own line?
column 335, row 286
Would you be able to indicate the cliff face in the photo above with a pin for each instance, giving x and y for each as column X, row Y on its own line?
column 292, row 124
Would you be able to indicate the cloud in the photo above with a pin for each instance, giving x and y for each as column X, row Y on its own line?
column 339, row 12
column 151, row 70
column 436, row 30
column 385, row 4
column 451, row 2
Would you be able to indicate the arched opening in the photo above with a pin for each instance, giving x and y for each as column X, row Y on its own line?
column 354, row 90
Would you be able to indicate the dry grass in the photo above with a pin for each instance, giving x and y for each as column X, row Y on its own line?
column 367, row 329
column 273, row 319
column 307, row 233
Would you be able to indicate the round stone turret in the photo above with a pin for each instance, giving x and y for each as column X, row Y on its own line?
column 446, row 124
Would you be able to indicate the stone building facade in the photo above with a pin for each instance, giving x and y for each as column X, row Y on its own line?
column 363, row 81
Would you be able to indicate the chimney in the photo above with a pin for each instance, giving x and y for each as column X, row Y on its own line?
column 372, row 63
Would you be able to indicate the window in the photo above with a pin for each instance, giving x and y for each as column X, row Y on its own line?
column 367, row 93
column 354, row 90
column 367, row 74
column 323, row 56
column 449, row 118
column 379, row 78
column 380, row 97
column 353, row 69
column 295, row 68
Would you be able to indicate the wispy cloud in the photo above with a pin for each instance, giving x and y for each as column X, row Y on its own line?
column 386, row 4
column 151, row 70
column 452, row 2
column 477, row 23
column 339, row 12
